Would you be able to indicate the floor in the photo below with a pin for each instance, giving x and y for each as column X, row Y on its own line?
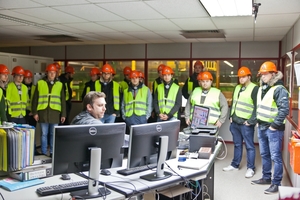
column 234, row 186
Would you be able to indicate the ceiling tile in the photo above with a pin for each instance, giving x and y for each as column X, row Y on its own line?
column 233, row 22
column 60, row 2
column 195, row 24
column 122, row 26
column 157, row 24
column 11, row 4
column 276, row 20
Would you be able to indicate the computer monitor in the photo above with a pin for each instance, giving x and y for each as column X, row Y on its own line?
column 74, row 145
column 145, row 142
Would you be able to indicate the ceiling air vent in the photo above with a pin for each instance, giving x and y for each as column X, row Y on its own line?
column 203, row 34
column 57, row 38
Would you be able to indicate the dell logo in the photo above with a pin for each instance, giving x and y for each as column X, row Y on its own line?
column 158, row 128
column 93, row 131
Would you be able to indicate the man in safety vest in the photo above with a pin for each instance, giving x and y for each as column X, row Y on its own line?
column 90, row 85
column 192, row 81
column 126, row 72
column 208, row 96
column 67, row 80
column 272, row 109
column 243, row 121
column 112, row 91
column 167, row 97
column 49, row 106
column 16, row 97
column 137, row 101
column 28, row 82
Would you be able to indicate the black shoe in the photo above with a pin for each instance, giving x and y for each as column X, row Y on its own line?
column 273, row 189
column 50, row 155
column 261, row 182
column 36, row 153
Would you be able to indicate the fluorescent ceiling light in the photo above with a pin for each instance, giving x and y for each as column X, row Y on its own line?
column 228, row 63
column 219, row 8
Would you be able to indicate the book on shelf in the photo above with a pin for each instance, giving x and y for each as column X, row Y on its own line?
column 11, row 184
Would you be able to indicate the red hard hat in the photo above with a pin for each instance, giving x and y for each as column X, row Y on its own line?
column 134, row 74
column 204, row 76
column 4, row 69
column 51, row 67
column 113, row 71
column 70, row 69
column 244, row 71
column 107, row 68
column 28, row 74
column 126, row 70
column 198, row 62
column 167, row 70
column 95, row 71
column 160, row 67
column 57, row 65
column 141, row 74
column 18, row 70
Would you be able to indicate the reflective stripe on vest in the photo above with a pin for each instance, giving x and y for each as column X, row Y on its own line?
column 116, row 93
column 266, row 108
column 166, row 104
column 242, row 105
column 53, row 99
column 16, row 104
column 211, row 101
column 138, row 105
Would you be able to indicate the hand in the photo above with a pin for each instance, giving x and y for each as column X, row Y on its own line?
column 230, row 119
column 36, row 117
column 246, row 123
column 62, row 119
column 272, row 129
column 218, row 124
column 30, row 114
column 188, row 121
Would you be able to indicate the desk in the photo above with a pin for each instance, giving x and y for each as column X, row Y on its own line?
column 125, row 186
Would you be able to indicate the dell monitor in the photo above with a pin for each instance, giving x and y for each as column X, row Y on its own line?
column 146, row 141
column 78, row 148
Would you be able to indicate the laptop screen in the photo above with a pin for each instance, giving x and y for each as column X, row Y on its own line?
column 200, row 116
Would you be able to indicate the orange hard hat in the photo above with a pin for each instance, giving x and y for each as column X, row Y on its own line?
column 113, row 71
column 244, row 71
column 204, row 76
column 95, row 71
column 141, row 74
column 70, row 69
column 18, row 70
column 107, row 68
column 198, row 62
column 51, row 67
column 4, row 69
column 126, row 70
column 167, row 70
column 267, row 67
column 57, row 65
column 160, row 67
column 134, row 74
column 28, row 74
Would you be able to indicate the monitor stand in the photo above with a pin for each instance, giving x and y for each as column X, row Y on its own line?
column 93, row 190
column 160, row 174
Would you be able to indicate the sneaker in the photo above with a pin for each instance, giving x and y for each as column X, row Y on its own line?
column 230, row 168
column 261, row 182
column 249, row 173
column 273, row 189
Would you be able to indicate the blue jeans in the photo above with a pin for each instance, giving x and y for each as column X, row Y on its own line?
column 108, row 119
column 240, row 133
column 47, row 129
column 171, row 119
column 270, row 144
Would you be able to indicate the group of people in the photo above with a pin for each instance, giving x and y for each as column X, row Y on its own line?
column 266, row 105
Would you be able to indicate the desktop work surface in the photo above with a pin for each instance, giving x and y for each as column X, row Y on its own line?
column 122, row 187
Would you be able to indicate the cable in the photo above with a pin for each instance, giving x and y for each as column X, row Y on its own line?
column 224, row 152
column 2, row 196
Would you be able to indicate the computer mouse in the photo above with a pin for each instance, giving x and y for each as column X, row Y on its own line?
column 65, row 177
column 105, row 172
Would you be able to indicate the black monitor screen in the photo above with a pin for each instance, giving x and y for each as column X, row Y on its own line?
column 143, row 146
column 71, row 145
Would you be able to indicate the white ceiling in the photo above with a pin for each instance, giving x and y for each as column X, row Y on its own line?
column 139, row 21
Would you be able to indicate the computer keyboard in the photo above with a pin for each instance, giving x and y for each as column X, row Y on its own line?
column 135, row 170
column 62, row 188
